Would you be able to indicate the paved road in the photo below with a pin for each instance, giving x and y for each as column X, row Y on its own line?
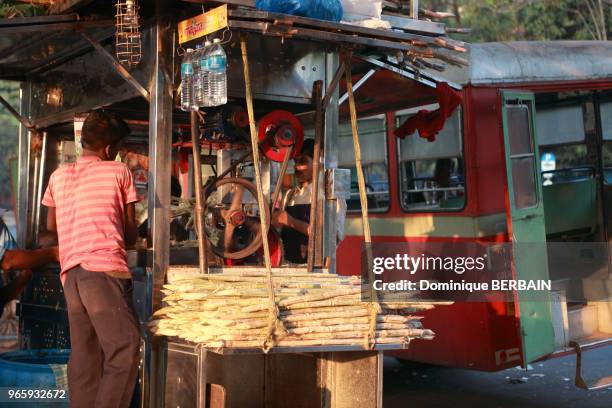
column 547, row 385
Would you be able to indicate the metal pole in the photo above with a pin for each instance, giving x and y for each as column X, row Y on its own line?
column 414, row 9
column 23, row 198
column 317, row 91
column 330, row 156
column 39, row 187
column 160, row 146
column 22, row 119
column 330, row 90
column 199, row 193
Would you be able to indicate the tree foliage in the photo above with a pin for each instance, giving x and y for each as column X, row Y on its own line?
column 9, row 128
column 11, row 9
column 529, row 20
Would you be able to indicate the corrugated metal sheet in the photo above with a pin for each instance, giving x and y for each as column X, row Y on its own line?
column 535, row 61
column 541, row 61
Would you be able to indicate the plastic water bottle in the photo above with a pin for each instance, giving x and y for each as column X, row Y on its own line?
column 187, row 81
column 205, row 74
column 197, row 77
column 217, row 62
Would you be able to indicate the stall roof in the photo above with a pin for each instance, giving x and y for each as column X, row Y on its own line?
column 536, row 61
column 31, row 45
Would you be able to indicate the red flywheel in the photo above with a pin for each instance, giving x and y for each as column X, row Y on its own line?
column 278, row 130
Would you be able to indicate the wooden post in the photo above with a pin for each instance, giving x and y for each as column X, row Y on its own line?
column 199, row 192
column 273, row 311
column 255, row 149
column 317, row 91
column 281, row 176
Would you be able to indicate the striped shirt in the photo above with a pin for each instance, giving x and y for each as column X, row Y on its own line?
column 89, row 197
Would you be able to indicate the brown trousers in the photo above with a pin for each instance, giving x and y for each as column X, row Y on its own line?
column 105, row 340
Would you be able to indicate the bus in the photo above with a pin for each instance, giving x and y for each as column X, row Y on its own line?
column 528, row 158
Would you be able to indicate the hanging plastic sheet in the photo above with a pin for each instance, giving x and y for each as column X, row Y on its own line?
column 330, row 10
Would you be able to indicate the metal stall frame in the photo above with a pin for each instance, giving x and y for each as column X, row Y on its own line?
column 159, row 95
column 224, row 369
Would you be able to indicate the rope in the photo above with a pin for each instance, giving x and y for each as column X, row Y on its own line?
column 362, row 196
column 370, row 338
column 273, row 314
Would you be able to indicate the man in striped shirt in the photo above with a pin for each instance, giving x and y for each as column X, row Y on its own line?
column 91, row 207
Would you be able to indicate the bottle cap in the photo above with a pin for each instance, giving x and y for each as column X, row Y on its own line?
column 207, row 43
column 189, row 49
column 217, row 40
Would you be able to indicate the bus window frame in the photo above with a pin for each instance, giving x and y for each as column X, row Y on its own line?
column 600, row 102
column 464, row 173
column 603, row 142
column 387, row 209
column 531, row 107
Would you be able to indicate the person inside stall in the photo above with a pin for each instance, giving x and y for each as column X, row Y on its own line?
column 22, row 260
column 137, row 161
column 91, row 209
column 294, row 220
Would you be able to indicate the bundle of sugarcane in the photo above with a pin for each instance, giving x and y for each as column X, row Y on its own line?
column 223, row 310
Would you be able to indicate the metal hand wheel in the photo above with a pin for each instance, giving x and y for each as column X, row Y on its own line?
column 232, row 226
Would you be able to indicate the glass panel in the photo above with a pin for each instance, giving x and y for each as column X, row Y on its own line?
column 567, row 157
column 560, row 125
column 607, row 155
column 446, row 145
column 519, row 131
column 432, row 173
column 372, row 137
column 523, row 180
column 432, row 185
column 605, row 112
column 373, row 140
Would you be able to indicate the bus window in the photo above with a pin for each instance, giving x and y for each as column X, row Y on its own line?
column 432, row 173
column 561, row 139
column 521, row 156
column 372, row 137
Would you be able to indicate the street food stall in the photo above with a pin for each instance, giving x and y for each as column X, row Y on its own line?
column 225, row 319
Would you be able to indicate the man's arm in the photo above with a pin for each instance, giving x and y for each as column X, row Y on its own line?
column 51, row 220
column 131, row 229
column 282, row 218
column 19, row 259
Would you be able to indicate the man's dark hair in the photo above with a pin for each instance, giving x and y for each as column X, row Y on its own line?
column 308, row 148
column 103, row 128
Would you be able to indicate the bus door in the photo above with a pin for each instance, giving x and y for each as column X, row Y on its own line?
column 525, row 212
column 605, row 115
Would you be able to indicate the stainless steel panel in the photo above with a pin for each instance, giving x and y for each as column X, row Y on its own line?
column 338, row 184
column 285, row 71
column 413, row 25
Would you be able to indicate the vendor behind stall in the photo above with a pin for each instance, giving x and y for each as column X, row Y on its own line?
column 294, row 219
